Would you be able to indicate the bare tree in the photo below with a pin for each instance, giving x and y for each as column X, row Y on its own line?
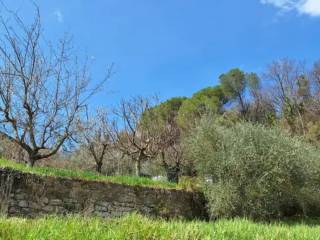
column 261, row 107
column 286, row 78
column 43, row 90
column 316, row 72
column 138, row 140
column 171, row 151
column 95, row 135
column 315, row 81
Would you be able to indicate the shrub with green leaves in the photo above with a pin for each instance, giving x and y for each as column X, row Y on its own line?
column 256, row 172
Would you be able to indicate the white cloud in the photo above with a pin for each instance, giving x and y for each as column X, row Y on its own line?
column 309, row 7
column 283, row 4
column 58, row 14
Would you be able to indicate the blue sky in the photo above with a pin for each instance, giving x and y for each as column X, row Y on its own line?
column 176, row 47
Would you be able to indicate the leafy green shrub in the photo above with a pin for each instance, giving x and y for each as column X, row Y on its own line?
column 256, row 172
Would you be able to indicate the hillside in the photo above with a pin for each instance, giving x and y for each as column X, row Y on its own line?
column 87, row 175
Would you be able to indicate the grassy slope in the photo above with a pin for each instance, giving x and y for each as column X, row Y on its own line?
column 138, row 227
column 87, row 175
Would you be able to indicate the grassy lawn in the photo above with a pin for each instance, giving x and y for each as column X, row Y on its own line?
column 138, row 227
column 87, row 175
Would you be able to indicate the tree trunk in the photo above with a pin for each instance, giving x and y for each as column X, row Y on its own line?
column 99, row 167
column 171, row 171
column 173, row 174
column 31, row 161
column 138, row 167
column 243, row 107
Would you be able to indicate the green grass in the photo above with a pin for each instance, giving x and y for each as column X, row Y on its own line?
column 137, row 227
column 87, row 175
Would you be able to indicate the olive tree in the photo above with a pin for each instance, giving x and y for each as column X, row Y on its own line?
column 256, row 171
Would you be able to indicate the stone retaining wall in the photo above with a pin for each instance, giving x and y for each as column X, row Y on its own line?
column 29, row 195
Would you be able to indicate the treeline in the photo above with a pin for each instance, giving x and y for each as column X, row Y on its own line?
column 143, row 132
column 286, row 94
